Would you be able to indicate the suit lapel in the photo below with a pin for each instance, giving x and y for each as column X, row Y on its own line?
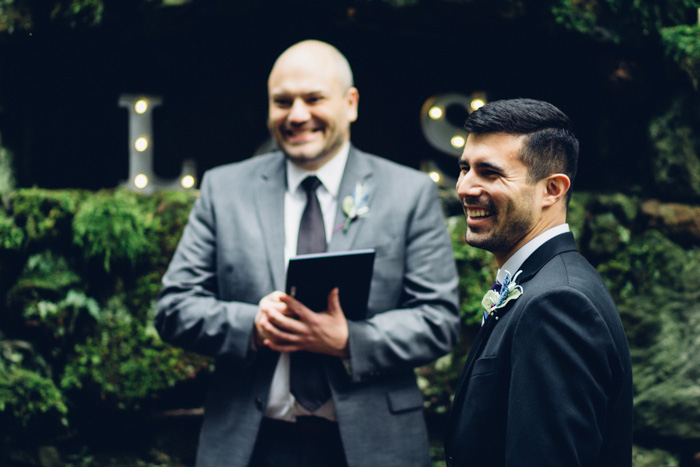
column 478, row 346
column 269, row 204
column 542, row 255
column 357, row 170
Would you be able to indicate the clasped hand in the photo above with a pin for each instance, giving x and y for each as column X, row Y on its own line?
column 286, row 325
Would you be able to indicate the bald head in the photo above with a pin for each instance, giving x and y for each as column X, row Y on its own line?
column 313, row 54
column 312, row 103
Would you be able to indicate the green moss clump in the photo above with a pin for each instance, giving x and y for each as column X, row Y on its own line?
column 576, row 215
column 48, row 298
column 48, row 271
column 650, row 260
column 11, row 236
column 171, row 211
column 676, row 163
column 125, row 363
column 655, row 282
column 652, row 458
column 26, row 396
column 608, row 235
column 30, row 402
column 113, row 228
column 63, row 321
column 682, row 43
column 44, row 215
column 7, row 177
column 624, row 208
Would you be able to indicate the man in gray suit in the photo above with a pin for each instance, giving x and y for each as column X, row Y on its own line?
column 221, row 294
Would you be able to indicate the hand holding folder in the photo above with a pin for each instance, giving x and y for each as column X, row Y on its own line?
column 310, row 278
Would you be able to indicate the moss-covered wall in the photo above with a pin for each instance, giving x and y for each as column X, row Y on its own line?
column 79, row 274
column 81, row 363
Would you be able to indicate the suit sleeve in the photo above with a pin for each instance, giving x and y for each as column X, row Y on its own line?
column 425, row 325
column 189, row 314
column 562, row 371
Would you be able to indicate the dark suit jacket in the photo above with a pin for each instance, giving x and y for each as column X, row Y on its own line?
column 232, row 254
column 548, row 383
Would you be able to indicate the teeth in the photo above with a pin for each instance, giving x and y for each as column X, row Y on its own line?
column 301, row 132
column 478, row 213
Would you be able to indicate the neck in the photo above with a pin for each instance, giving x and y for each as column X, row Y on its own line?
column 502, row 257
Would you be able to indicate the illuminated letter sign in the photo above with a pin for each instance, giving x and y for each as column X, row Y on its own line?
column 141, row 175
column 442, row 134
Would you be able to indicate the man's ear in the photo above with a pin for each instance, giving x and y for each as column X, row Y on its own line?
column 353, row 98
column 555, row 188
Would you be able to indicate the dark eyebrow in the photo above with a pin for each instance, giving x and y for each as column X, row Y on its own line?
column 482, row 165
column 286, row 94
column 315, row 94
column 487, row 165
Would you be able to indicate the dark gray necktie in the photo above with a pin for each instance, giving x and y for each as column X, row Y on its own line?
column 307, row 379
column 312, row 232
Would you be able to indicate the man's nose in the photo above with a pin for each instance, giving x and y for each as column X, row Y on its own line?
column 299, row 112
column 468, row 185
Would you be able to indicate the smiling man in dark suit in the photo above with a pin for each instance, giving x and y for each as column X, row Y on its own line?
column 222, row 291
column 548, row 380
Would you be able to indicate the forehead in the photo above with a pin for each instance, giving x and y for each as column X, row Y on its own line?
column 303, row 75
column 501, row 148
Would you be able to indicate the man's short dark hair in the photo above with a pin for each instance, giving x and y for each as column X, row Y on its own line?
column 550, row 145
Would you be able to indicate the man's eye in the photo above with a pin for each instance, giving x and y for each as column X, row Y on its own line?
column 488, row 173
column 283, row 102
column 314, row 99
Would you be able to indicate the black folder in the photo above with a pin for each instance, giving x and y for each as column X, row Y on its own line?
column 310, row 278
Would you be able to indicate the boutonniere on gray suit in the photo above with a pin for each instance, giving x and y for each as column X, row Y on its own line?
column 355, row 206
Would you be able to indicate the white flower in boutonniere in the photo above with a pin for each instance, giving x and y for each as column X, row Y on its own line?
column 355, row 205
column 501, row 293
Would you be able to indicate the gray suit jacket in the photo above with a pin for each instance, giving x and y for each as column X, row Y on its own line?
column 232, row 254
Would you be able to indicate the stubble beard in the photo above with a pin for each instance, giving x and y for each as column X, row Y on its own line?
column 503, row 238
column 511, row 226
column 313, row 160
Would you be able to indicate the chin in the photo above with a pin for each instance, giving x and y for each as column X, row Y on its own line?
column 304, row 159
column 298, row 151
column 478, row 241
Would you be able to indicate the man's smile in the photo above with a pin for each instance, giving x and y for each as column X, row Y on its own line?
column 301, row 135
column 478, row 213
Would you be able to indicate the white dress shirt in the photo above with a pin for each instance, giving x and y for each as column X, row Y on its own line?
column 281, row 403
column 514, row 262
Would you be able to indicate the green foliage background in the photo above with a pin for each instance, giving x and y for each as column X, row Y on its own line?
column 80, row 272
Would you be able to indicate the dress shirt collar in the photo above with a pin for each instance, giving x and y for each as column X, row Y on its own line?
column 330, row 174
column 517, row 260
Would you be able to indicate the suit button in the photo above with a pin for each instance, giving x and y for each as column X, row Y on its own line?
column 258, row 403
column 450, row 461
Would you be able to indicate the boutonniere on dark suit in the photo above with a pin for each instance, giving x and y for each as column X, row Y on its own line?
column 500, row 294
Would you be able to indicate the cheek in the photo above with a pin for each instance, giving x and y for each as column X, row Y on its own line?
column 327, row 119
column 276, row 117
